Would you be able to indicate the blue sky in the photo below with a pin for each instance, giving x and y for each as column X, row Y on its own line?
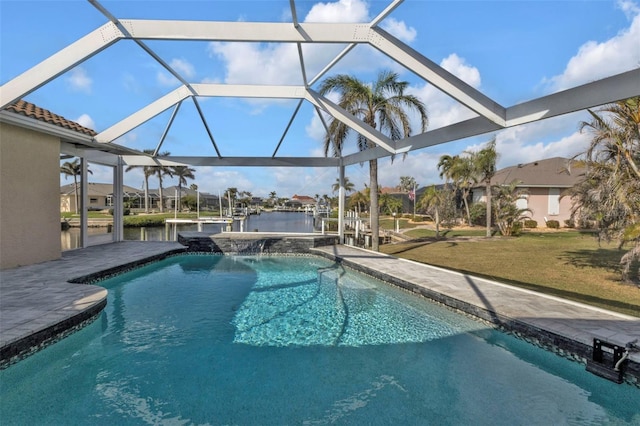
column 512, row 51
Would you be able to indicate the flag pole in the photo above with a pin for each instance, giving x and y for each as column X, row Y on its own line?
column 414, row 201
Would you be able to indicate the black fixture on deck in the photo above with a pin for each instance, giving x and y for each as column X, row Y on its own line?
column 609, row 362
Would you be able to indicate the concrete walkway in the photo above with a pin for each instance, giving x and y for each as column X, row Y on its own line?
column 37, row 301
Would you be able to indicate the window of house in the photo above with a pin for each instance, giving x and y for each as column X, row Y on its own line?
column 93, row 200
column 522, row 203
column 554, row 201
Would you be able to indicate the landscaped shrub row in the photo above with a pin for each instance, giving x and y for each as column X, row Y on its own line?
column 136, row 221
column 553, row 224
column 530, row 223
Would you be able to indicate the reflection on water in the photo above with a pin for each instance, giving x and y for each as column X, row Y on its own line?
column 266, row 222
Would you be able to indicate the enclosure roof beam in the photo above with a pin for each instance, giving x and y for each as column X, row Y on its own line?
column 59, row 63
column 142, row 160
column 437, row 76
column 356, row 124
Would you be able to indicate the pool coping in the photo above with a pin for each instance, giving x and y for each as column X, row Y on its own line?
column 566, row 328
column 40, row 304
column 82, row 302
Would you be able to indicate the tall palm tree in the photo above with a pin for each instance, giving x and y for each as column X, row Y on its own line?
column 484, row 166
column 147, row 171
column 73, row 168
column 182, row 173
column 382, row 106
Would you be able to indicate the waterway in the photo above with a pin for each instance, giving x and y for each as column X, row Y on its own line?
column 265, row 222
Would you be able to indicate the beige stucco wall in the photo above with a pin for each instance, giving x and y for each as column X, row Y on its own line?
column 29, row 197
column 538, row 202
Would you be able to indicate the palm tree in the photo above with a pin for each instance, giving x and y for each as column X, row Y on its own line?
column 73, row 168
column 162, row 171
column 147, row 171
column 182, row 173
column 434, row 200
column 484, row 166
column 357, row 199
column 348, row 185
column 381, row 106
column 610, row 191
column 460, row 171
column 505, row 204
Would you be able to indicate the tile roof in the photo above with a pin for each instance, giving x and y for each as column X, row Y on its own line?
column 33, row 111
column 97, row 189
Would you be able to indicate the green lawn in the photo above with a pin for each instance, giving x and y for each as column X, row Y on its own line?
column 567, row 264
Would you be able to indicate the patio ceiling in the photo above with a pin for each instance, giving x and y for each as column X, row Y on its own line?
column 490, row 115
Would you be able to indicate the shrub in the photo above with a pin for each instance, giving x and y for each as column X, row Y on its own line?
column 143, row 221
column 530, row 223
column 569, row 223
column 478, row 213
column 125, row 212
column 553, row 224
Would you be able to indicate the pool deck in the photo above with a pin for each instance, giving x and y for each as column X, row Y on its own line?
column 38, row 300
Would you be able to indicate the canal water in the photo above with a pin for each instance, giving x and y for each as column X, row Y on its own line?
column 265, row 222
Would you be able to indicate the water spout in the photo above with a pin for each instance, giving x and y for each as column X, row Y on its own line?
column 631, row 346
column 249, row 247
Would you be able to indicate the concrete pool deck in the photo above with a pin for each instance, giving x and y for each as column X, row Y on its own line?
column 38, row 300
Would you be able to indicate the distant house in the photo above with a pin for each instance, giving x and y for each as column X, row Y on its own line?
column 545, row 181
column 302, row 201
column 205, row 200
column 100, row 196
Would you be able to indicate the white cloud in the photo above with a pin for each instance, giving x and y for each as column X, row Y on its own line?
column 274, row 63
column 596, row 60
column 441, row 108
column 79, row 81
column 86, row 121
column 340, row 11
column 165, row 79
column 183, row 67
column 400, row 30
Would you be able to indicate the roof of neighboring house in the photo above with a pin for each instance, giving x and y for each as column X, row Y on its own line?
column 30, row 110
column 303, row 199
column 553, row 172
column 97, row 189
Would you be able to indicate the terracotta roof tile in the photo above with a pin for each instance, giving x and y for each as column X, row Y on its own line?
column 30, row 110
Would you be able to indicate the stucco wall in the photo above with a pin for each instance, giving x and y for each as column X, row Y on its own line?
column 29, row 197
column 538, row 202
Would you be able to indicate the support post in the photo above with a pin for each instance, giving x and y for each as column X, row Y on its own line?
column 118, row 197
column 341, row 206
column 84, row 197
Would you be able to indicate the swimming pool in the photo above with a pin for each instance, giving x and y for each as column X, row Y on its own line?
column 294, row 340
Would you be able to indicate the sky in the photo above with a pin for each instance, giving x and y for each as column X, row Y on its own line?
column 512, row 51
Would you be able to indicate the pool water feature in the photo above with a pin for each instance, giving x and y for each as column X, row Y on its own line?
column 199, row 339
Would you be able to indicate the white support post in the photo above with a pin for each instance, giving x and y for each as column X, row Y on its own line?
column 118, row 205
column 84, row 216
column 341, row 194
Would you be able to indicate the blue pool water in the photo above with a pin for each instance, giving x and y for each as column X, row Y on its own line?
column 196, row 340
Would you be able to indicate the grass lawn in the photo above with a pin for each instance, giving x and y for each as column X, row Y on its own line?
column 568, row 264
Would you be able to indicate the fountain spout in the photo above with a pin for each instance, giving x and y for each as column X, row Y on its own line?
column 629, row 347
